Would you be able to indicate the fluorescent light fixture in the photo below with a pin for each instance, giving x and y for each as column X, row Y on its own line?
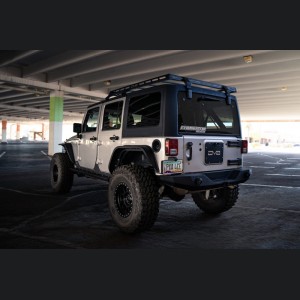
column 248, row 59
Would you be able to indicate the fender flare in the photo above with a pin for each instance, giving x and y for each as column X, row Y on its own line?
column 69, row 150
column 120, row 152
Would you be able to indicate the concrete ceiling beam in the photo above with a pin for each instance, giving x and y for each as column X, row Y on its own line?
column 15, row 56
column 61, row 60
column 109, row 60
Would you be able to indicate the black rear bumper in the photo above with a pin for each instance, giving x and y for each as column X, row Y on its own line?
column 206, row 180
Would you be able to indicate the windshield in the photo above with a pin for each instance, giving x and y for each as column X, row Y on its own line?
column 205, row 114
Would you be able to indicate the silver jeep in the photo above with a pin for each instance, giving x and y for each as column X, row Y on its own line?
column 168, row 136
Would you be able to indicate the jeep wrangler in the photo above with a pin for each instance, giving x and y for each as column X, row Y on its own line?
column 168, row 136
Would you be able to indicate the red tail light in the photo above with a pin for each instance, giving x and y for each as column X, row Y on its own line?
column 244, row 147
column 171, row 147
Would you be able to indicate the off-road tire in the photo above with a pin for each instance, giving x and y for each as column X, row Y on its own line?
column 60, row 174
column 133, row 198
column 219, row 200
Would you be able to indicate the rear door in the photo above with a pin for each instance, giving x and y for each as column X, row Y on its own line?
column 211, row 133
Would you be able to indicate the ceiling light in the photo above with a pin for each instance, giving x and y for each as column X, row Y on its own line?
column 107, row 82
column 248, row 59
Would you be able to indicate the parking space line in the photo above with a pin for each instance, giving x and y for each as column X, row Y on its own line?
column 271, row 186
column 2, row 154
column 269, row 209
column 288, row 175
column 276, row 163
column 21, row 192
column 261, row 167
column 291, row 168
column 293, row 158
column 46, row 154
column 22, row 224
column 41, row 238
column 269, row 156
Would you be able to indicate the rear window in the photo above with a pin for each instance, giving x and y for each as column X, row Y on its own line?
column 204, row 114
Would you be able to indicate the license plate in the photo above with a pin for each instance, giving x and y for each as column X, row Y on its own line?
column 171, row 166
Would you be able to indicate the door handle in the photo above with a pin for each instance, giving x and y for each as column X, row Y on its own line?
column 114, row 138
column 93, row 138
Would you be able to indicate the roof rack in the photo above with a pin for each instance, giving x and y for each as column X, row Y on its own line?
column 171, row 78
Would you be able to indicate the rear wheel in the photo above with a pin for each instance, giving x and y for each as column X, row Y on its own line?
column 216, row 201
column 133, row 198
column 60, row 174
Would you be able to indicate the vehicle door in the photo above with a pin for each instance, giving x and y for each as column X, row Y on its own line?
column 88, row 146
column 110, row 132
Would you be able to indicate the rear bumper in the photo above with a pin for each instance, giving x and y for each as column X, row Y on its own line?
column 206, row 180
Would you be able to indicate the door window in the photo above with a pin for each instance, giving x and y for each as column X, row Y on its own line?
column 112, row 117
column 91, row 120
column 144, row 110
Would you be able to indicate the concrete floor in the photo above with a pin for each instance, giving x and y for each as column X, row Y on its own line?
column 266, row 216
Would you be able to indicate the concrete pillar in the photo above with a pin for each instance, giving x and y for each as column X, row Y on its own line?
column 43, row 131
column 4, row 125
column 11, row 137
column 18, row 132
column 55, row 122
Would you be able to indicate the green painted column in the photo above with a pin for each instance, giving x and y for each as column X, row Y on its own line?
column 55, row 122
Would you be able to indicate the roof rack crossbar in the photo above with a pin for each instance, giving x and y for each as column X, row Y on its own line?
column 170, row 77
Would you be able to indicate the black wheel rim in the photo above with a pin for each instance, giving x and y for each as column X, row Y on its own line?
column 55, row 173
column 123, row 200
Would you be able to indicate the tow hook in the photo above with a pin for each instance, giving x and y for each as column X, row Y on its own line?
column 198, row 181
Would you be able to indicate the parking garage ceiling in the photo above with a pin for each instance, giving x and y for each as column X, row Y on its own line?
column 268, row 87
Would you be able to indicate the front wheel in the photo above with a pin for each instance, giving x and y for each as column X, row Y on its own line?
column 133, row 198
column 60, row 174
column 216, row 201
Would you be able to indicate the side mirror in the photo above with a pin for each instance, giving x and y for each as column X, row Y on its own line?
column 77, row 128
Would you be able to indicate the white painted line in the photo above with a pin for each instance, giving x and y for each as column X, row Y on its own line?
column 2, row 154
column 22, row 224
column 269, row 209
column 292, row 168
column 269, row 156
column 271, row 186
column 261, row 167
column 276, row 163
column 283, row 175
column 293, row 158
column 24, row 193
column 41, row 238
column 45, row 154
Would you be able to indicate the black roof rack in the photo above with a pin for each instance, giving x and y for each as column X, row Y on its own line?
column 171, row 78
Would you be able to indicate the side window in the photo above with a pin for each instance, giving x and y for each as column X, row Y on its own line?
column 144, row 110
column 91, row 120
column 112, row 117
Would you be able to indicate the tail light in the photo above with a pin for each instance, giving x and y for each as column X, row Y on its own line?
column 171, row 147
column 244, row 147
